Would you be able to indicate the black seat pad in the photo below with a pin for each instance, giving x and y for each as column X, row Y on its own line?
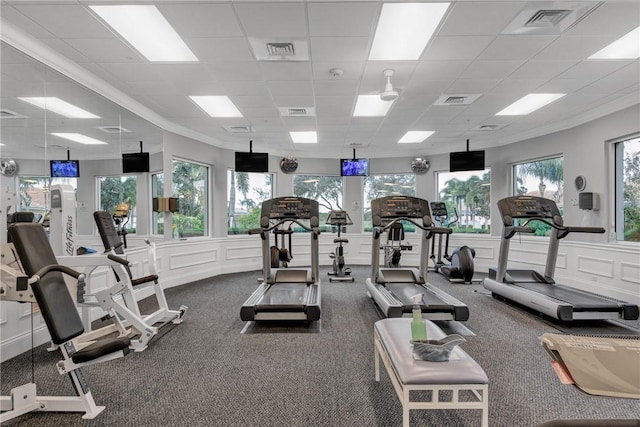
column 100, row 348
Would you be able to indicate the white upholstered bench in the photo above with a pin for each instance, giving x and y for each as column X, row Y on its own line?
column 460, row 374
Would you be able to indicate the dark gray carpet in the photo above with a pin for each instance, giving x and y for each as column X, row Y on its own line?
column 204, row 372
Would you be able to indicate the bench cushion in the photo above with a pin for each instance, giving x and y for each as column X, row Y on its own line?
column 395, row 335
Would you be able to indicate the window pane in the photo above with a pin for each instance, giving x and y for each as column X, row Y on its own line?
column 245, row 193
column 628, row 190
column 190, row 186
column 327, row 190
column 542, row 178
column 34, row 194
column 157, row 190
column 376, row 186
column 120, row 192
column 466, row 195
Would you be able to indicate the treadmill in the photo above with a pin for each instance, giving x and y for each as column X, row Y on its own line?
column 540, row 291
column 392, row 288
column 286, row 293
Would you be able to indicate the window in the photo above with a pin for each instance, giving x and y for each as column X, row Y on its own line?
column 190, row 185
column 157, row 190
column 119, row 190
column 34, row 194
column 327, row 190
column 376, row 186
column 627, row 182
column 466, row 195
column 541, row 178
column 245, row 193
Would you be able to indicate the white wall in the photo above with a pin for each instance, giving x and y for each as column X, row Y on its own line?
column 590, row 262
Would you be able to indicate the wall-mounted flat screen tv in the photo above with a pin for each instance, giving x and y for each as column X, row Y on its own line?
column 354, row 167
column 252, row 162
column 135, row 162
column 65, row 168
column 466, row 161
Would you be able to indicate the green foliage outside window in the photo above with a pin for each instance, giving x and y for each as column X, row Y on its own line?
column 190, row 186
column 245, row 194
column 376, row 186
column 327, row 190
column 467, row 197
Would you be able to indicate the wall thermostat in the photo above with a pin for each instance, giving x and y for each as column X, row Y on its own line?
column 589, row 201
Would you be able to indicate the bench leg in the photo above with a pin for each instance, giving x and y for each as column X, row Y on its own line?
column 376, row 362
column 405, row 408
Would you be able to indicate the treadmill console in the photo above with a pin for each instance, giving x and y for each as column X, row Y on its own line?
column 438, row 209
column 290, row 207
column 392, row 207
column 527, row 207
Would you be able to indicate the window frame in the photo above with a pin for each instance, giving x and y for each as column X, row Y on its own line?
column 258, row 204
column 616, row 199
column 456, row 227
column 207, row 220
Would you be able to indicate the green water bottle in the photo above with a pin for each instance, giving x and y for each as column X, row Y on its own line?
column 418, row 324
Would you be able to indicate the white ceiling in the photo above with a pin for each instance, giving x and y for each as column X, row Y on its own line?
column 469, row 54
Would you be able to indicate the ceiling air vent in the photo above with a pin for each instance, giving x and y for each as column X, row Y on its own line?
column 456, row 99
column 488, row 128
column 297, row 111
column 239, row 129
column 114, row 129
column 280, row 50
column 8, row 114
column 545, row 17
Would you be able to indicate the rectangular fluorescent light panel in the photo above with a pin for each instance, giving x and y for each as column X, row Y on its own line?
column 626, row 47
column 146, row 30
column 530, row 103
column 310, row 137
column 404, row 29
column 79, row 138
column 58, row 106
column 415, row 136
column 371, row 106
column 217, row 106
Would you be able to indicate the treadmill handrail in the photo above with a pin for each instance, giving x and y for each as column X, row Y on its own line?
column 563, row 230
column 316, row 230
column 431, row 229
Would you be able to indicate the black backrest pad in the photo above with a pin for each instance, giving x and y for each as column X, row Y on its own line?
column 51, row 292
column 107, row 230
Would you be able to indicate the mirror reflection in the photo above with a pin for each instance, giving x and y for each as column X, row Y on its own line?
column 57, row 132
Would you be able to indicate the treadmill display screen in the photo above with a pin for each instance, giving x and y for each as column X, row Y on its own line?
column 528, row 207
column 392, row 207
column 290, row 207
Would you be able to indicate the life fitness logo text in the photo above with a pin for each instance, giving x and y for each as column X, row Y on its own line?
column 69, row 236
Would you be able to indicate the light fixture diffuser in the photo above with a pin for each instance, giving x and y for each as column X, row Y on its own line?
column 530, row 103
column 415, row 136
column 58, row 106
column 626, row 47
column 308, row 137
column 404, row 29
column 371, row 106
column 144, row 27
column 79, row 138
column 217, row 106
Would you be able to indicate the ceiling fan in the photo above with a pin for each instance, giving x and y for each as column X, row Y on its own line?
column 388, row 94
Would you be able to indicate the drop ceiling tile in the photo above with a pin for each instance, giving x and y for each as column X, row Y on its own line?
column 285, row 70
column 456, row 47
column 593, row 69
column 235, row 71
column 334, row 106
column 202, row 19
column 284, row 19
column 628, row 72
column 65, row 49
column 479, row 18
column 350, row 69
column 295, row 87
column 439, row 70
column 512, row 47
column 566, row 48
column 472, row 85
column 105, row 50
column 211, row 50
column 293, row 101
column 517, row 86
column 339, row 48
column 335, row 87
column 536, row 69
column 563, row 85
column 490, row 69
column 66, row 21
column 246, row 88
column 131, row 71
column 252, row 101
column 342, row 19
column 626, row 16
column 607, row 87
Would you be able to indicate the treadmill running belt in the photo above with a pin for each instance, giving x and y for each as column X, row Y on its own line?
column 404, row 292
column 283, row 294
column 579, row 299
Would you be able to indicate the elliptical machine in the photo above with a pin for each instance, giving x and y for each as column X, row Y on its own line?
column 460, row 267
column 339, row 219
